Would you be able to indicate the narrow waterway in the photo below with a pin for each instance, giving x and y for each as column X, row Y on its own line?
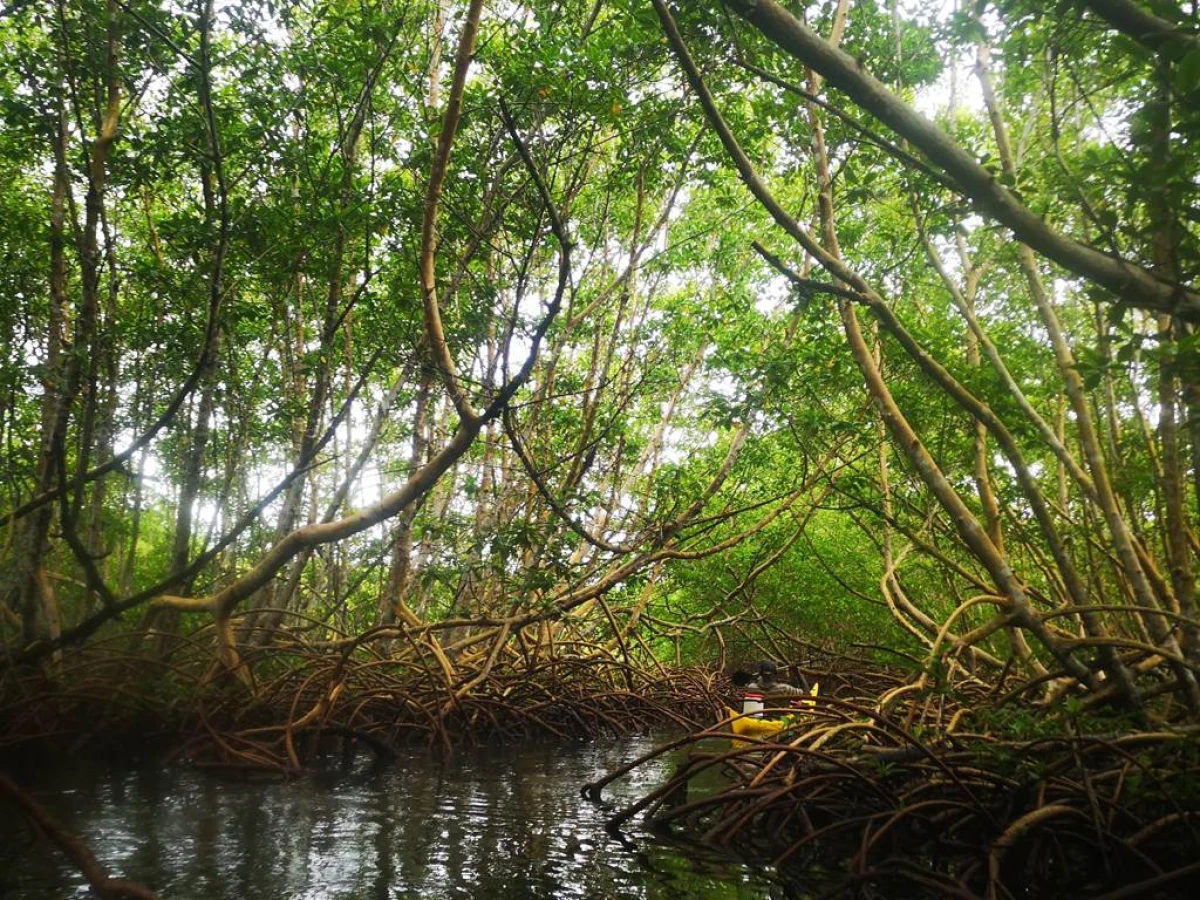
column 493, row 823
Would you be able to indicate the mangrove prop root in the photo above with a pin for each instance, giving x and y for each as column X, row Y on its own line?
column 876, row 808
column 105, row 886
column 304, row 698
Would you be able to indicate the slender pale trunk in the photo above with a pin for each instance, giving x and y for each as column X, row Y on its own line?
column 393, row 601
column 1119, row 531
column 869, row 360
column 26, row 589
column 906, row 439
column 262, row 627
column 1164, row 245
column 166, row 621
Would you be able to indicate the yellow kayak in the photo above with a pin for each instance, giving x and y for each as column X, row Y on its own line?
column 751, row 727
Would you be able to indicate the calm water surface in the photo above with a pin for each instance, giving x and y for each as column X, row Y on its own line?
column 494, row 823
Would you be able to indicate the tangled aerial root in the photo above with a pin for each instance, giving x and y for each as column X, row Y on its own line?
column 883, row 796
column 852, row 799
column 300, row 699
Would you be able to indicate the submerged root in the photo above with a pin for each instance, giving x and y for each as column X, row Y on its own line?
column 105, row 886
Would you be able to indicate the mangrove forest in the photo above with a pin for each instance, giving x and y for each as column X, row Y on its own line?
column 600, row 448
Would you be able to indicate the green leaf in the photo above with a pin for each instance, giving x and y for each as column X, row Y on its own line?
column 1187, row 72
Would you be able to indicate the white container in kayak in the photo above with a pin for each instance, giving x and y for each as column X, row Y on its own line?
column 752, row 705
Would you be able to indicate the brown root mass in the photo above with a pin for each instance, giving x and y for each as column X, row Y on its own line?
column 297, row 698
column 885, row 788
column 869, row 803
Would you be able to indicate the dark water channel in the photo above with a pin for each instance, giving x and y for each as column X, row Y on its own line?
column 493, row 823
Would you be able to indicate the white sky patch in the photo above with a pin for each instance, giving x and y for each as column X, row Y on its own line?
column 773, row 296
column 263, row 475
column 1113, row 126
column 957, row 79
column 957, row 82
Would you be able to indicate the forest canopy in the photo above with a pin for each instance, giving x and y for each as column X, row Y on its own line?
column 481, row 332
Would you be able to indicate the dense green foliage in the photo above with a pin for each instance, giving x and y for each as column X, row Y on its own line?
column 212, row 266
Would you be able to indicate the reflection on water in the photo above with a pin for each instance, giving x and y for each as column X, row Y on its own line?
column 496, row 823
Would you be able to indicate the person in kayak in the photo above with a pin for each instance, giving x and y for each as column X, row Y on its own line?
column 766, row 682
column 763, row 688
